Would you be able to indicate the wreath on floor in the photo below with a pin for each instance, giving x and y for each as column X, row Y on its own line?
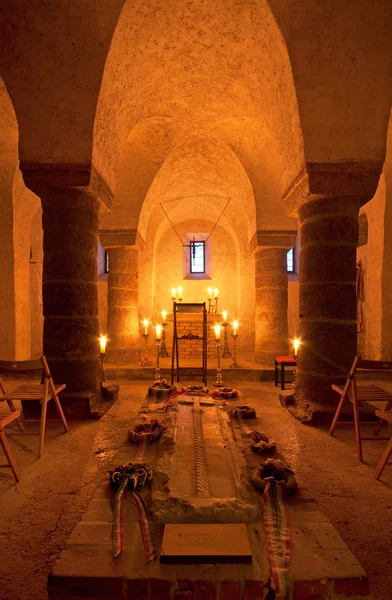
column 195, row 389
column 245, row 411
column 149, row 431
column 225, row 392
column 275, row 470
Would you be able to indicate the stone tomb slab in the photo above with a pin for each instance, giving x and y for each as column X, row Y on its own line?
column 225, row 494
column 205, row 543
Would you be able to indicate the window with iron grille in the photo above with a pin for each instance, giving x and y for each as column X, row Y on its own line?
column 197, row 256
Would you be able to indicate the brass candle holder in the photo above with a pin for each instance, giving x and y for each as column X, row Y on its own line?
column 219, row 381
column 209, row 305
column 158, row 338
column 163, row 351
column 226, row 349
column 234, row 364
column 146, row 362
column 215, row 308
column 157, row 368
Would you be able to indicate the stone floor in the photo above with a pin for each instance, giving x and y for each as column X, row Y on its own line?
column 38, row 514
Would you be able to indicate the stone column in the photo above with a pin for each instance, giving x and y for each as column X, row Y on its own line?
column 328, row 209
column 70, row 296
column 271, row 294
column 123, row 311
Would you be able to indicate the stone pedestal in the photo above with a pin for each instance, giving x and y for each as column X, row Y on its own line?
column 271, row 330
column 329, row 198
column 123, row 313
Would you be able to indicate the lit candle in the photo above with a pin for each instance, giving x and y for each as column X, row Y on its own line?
column 217, row 331
column 216, row 291
column 224, row 315
column 235, row 327
column 164, row 313
column 173, row 292
column 209, row 292
column 297, row 343
column 179, row 291
column 102, row 344
column 158, row 332
column 145, row 323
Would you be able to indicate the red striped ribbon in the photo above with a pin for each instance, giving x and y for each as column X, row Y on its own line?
column 118, row 523
column 149, row 549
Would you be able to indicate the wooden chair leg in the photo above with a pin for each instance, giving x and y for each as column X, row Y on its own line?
column 384, row 459
column 60, row 411
column 8, row 454
column 42, row 429
column 357, row 431
column 336, row 417
column 382, row 421
column 13, row 409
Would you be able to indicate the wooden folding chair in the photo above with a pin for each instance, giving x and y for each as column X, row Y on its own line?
column 357, row 394
column 382, row 463
column 11, row 464
column 42, row 392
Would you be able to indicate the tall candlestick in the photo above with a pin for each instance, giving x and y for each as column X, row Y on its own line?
column 218, row 382
column 102, row 349
column 226, row 349
column 163, row 351
column 179, row 294
column 234, row 335
column 146, row 362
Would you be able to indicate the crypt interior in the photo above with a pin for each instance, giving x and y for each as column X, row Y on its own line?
column 158, row 154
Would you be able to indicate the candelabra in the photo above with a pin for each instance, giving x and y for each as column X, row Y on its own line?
column 215, row 308
column 234, row 364
column 146, row 362
column 163, row 352
column 102, row 368
column 226, row 349
column 218, row 382
column 209, row 305
column 157, row 369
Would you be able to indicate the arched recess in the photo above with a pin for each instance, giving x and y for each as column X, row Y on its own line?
column 198, row 63
column 17, row 207
column 194, row 185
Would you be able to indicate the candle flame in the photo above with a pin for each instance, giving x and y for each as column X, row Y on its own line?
column 235, row 326
column 179, row 291
column 173, row 292
column 217, row 329
column 216, row 292
column 145, row 322
column 209, row 291
column 164, row 313
column 224, row 315
column 297, row 343
column 158, row 332
column 102, row 344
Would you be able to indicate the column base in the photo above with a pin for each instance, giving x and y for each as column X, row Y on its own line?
column 81, row 405
column 123, row 355
column 315, row 413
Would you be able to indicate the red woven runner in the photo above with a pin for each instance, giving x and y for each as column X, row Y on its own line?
column 277, row 533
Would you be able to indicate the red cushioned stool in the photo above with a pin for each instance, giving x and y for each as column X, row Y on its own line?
column 280, row 363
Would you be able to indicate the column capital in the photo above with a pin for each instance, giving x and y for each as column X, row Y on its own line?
column 273, row 238
column 116, row 238
column 338, row 180
column 39, row 177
